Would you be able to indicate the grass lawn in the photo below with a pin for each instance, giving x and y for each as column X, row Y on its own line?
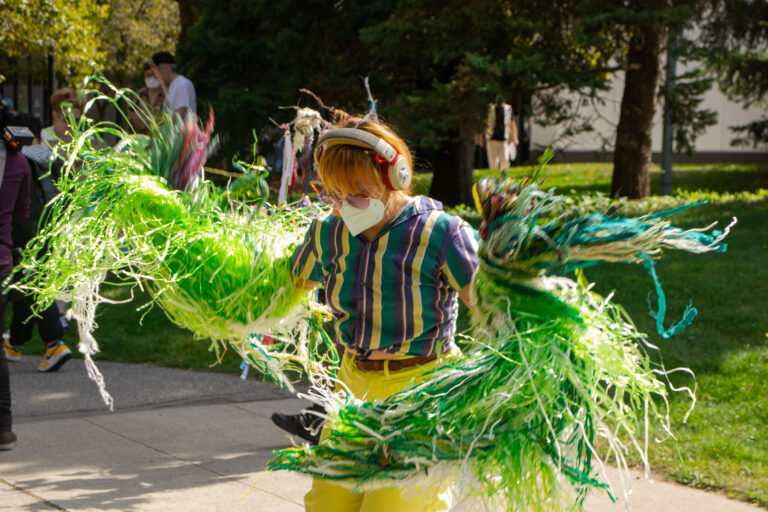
column 724, row 444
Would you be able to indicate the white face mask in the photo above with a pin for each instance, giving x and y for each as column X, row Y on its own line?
column 152, row 82
column 358, row 220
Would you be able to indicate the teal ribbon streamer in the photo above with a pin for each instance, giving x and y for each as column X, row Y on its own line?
column 661, row 302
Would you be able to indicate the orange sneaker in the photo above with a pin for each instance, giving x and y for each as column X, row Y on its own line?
column 11, row 353
column 55, row 357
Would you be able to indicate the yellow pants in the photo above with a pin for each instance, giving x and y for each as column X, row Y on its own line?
column 328, row 497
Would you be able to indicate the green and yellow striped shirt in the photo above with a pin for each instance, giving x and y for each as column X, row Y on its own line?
column 398, row 292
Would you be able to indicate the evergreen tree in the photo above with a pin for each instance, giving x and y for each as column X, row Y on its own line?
column 445, row 61
column 435, row 66
column 253, row 56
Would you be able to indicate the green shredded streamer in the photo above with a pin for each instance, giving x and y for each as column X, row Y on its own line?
column 552, row 368
column 216, row 266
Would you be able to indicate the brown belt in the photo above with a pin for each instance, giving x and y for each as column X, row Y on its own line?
column 377, row 365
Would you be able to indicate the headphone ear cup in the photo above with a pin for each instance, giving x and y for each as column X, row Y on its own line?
column 398, row 174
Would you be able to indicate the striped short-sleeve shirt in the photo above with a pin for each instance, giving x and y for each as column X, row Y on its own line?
column 398, row 292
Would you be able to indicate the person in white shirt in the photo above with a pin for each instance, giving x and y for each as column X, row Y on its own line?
column 181, row 97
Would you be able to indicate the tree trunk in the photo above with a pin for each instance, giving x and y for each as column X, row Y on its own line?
column 187, row 16
column 452, row 171
column 632, row 153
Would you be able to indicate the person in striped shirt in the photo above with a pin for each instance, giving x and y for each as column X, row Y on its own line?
column 393, row 267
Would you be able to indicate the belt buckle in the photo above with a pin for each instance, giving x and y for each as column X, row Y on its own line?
column 365, row 364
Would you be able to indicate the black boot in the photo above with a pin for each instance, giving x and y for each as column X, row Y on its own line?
column 304, row 424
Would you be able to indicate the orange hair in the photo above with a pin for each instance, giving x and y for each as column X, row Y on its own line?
column 347, row 170
column 63, row 95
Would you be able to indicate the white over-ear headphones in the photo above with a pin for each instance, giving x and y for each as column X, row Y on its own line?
column 395, row 170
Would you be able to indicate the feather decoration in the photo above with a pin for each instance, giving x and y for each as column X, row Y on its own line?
column 307, row 122
column 289, row 161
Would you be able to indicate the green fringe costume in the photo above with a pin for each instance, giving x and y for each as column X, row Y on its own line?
column 552, row 367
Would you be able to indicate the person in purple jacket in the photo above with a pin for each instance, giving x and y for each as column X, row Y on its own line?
column 14, row 208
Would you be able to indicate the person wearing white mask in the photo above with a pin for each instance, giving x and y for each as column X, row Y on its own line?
column 180, row 97
column 153, row 94
column 393, row 267
column 153, row 97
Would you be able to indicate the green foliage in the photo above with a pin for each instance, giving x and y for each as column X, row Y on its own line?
column 685, row 101
column 251, row 57
column 68, row 29
column 734, row 45
column 444, row 62
column 132, row 32
column 113, row 36
column 754, row 134
column 433, row 66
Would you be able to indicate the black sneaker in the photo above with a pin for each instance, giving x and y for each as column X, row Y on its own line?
column 304, row 424
column 7, row 439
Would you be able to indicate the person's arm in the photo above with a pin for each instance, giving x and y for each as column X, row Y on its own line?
column 305, row 283
column 305, row 269
column 513, row 132
column 466, row 296
column 184, row 98
column 181, row 112
column 461, row 260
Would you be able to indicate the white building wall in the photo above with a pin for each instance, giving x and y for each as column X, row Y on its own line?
column 605, row 118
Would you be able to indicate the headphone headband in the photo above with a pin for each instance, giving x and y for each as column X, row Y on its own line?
column 359, row 138
column 395, row 170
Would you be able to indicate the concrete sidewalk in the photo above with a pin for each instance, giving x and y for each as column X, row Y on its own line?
column 188, row 441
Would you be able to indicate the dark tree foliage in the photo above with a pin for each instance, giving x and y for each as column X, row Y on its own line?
column 248, row 57
column 734, row 41
column 444, row 61
column 435, row 65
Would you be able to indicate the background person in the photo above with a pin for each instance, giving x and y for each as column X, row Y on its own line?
column 42, row 190
column 500, row 136
column 181, row 96
column 393, row 267
column 153, row 97
column 14, row 208
column 61, row 100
